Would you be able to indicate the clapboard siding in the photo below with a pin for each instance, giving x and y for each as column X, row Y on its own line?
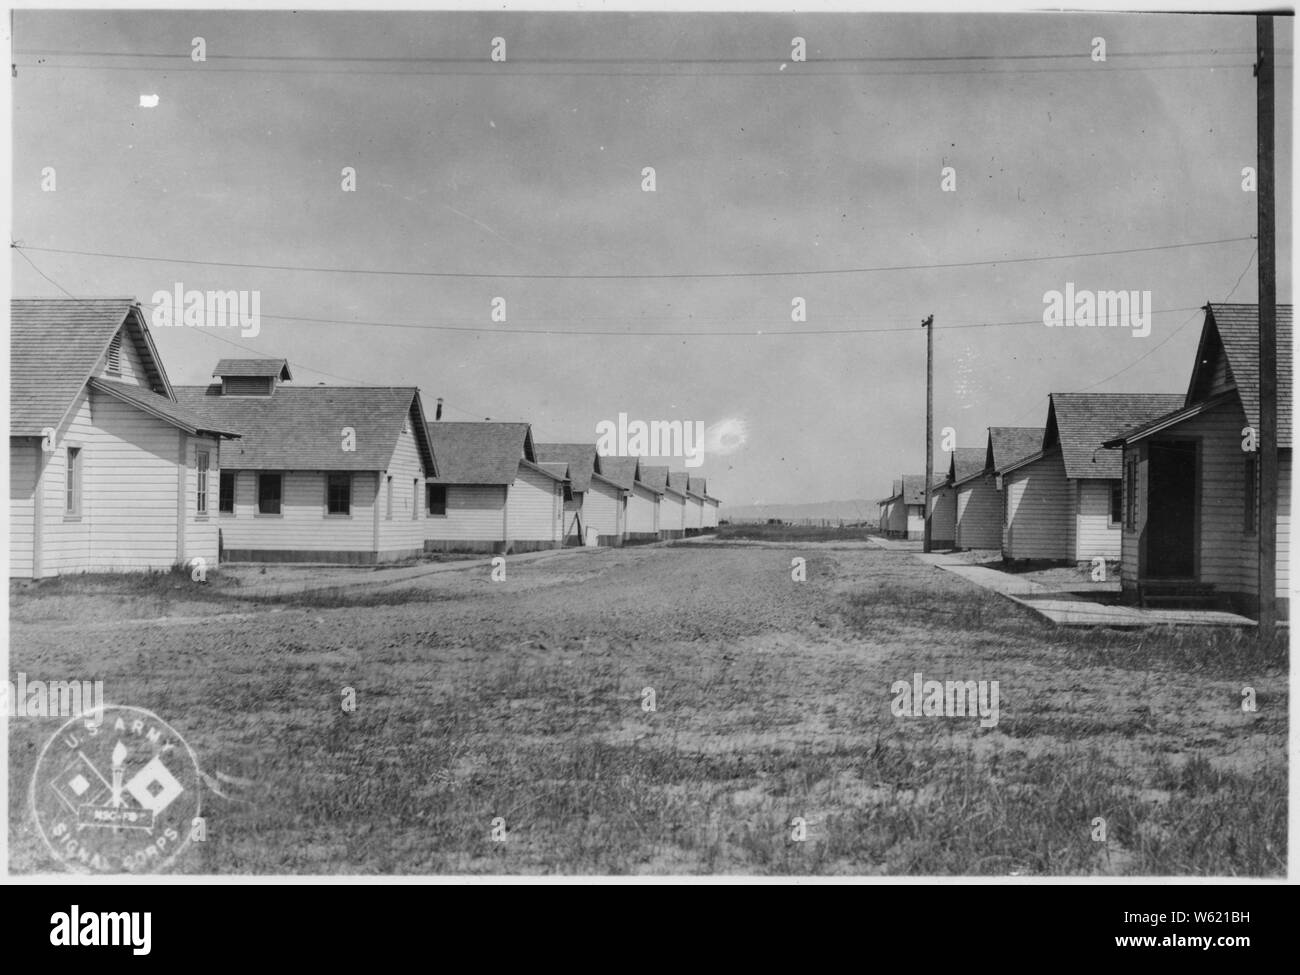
column 475, row 513
column 642, row 511
column 1096, row 536
column 138, row 495
column 1038, row 499
column 672, row 515
column 600, row 509
column 303, row 525
column 710, row 514
column 535, row 506
column 943, row 517
column 694, row 513
column 404, row 531
column 979, row 514
column 131, row 477
column 915, row 520
column 897, row 517
column 24, row 455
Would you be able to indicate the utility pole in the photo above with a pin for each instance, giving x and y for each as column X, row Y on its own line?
column 1267, row 440
column 928, row 325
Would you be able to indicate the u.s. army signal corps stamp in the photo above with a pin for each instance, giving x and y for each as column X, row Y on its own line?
column 117, row 795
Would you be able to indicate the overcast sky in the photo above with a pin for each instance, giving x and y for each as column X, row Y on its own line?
column 534, row 167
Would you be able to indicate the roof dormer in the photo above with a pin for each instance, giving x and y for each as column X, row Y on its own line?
column 251, row 377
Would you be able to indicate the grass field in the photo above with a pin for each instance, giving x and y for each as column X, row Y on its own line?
column 524, row 701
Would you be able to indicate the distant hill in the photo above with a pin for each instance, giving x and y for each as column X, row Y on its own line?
column 833, row 510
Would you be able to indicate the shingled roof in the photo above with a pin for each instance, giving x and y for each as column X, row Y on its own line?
column 580, row 457
column 482, row 452
column 655, row 477
column 56, row 344
column 1079, row 423
column 678, row 481
column 1010, row 445
column 697, row 487
column 911, row 488
column 559, row 471
column 301, row 429
column 966, row 462
column 276, row 368
column 621, row 471
column 1236, row 328
column 163, row 408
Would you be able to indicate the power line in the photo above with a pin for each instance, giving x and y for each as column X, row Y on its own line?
column 860, row 59
column 503, row 71
column 505, row 329
column 241, row 346
column 629, row 276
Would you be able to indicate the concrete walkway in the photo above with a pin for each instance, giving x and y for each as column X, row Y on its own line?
column 1072, row 609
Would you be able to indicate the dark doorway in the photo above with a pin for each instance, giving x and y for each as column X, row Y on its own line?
column 1170, row 537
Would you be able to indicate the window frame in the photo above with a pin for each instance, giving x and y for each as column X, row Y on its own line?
column 330, row 478
column 202, row 470
column 221, row 494
column 428, row 505
column 257, row 503
column 73, row 476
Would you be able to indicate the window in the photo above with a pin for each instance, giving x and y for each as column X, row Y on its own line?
column 270, row 490
column 1130, row 492
column 226, row 493
column 389, row 494
column 435, row 498
column 1252, row 494
column 568, row 493
column 1116, row 502
column 114, row 366
column 415, row 500
column 201, row 461
column 73, row 506
column 338, row 494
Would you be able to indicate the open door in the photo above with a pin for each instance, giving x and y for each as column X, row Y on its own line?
column 1169, row 541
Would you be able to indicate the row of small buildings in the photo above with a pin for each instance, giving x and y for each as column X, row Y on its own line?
column 1164, row 485
column 112, row 468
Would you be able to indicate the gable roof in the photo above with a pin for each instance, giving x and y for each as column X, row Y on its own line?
column 679, row 481
column 1079, row 423
column 580, row 458
column 559, row 471
column 655, row 477
column 697, row 487
column 301, row 428
column 161, row 407
column 479, row 452
column 277, row 368
column 621, row 471
column 966, row 462
column 911, row 488
column 1010, row 445
column 55, row 345
column 1232, row 330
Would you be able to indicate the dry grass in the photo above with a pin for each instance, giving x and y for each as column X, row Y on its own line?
column 524, row 701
